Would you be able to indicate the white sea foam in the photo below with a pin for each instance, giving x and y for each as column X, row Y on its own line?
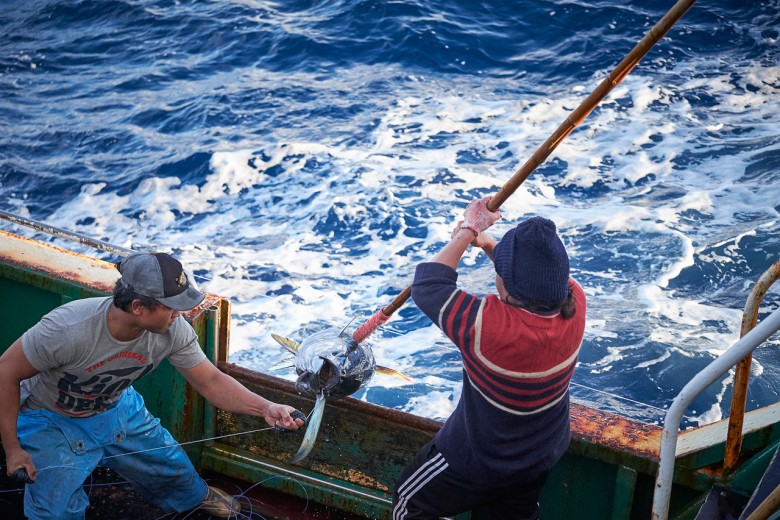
column 256, row 224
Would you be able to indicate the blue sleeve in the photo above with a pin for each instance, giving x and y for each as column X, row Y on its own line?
column 452, row 310
column 433, row 286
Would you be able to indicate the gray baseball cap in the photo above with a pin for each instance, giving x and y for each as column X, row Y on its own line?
column 162, row 277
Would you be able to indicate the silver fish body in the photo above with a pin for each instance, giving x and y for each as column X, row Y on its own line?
column 330, row 363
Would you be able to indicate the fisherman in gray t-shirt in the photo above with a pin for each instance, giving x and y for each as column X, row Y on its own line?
column 69, row 405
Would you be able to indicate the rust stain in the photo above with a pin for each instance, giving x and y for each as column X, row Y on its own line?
column 50, row 260
column 349, row 475
column 364, row 480
column 613, row 431
column 211, row 299
column 54, row 262
column 187, row 412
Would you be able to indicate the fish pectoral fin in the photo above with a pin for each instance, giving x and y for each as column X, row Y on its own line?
column 392, row 372
column 287, row 343
column 312, row 429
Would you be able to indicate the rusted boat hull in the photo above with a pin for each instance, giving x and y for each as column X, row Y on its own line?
column 607, row 473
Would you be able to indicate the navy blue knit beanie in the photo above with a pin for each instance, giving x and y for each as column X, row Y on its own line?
column 533, row 263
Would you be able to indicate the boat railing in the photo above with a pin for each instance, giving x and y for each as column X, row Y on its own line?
column 65, row 234
column 740, row 353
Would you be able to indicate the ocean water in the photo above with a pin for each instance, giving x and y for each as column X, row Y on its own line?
column 303, row 157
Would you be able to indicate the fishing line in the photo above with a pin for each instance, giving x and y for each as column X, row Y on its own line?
column 166, row 447
column 629, row 399
column 303, row 488
column 243, row 493
column 390, row 332
column 177, row 444
column 188, row 442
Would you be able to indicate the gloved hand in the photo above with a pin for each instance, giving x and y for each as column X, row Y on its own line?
column 478, row 217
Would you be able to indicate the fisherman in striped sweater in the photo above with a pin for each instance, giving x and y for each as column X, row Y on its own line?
column 519, row 351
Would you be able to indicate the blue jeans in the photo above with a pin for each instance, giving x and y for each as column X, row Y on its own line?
column 67, row 450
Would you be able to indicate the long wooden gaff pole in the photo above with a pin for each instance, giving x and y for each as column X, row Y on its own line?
column 540, row 155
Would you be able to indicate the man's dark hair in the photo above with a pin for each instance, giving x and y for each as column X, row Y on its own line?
column 124, row 297
column 566, row 308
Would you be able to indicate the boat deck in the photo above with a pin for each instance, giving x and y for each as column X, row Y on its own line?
column 111, row 498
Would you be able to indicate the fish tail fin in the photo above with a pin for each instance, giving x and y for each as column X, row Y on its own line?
column 392, row 372
column 287, row 343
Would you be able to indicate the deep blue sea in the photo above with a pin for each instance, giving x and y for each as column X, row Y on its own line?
column 303, row 157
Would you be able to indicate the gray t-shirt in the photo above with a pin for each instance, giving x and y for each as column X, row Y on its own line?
column 83, row 369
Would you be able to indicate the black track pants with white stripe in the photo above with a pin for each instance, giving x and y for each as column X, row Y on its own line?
column 429, row 489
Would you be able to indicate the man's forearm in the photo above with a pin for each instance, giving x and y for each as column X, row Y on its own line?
column 488, row 246
column 9, row 414
column 452, row 252
column 14, row 368
column 230, row 395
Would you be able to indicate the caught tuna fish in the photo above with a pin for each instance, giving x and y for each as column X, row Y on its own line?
column 329, row 364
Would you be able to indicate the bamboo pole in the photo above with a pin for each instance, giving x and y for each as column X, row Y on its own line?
column 540, row 155
column 767, row 507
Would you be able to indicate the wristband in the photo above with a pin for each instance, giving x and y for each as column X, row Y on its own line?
column 464, row 226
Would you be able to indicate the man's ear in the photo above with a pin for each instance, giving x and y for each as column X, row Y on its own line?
column 136, row 307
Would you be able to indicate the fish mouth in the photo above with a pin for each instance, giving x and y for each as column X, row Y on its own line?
column 320, row 382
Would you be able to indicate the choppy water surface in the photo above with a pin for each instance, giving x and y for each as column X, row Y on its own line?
column 303, row 157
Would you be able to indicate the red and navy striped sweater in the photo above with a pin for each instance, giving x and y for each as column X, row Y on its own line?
column 512, row 420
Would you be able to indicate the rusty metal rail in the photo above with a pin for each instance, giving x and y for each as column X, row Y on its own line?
column 67, row 235
column 740, row 352
column 742, row 376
